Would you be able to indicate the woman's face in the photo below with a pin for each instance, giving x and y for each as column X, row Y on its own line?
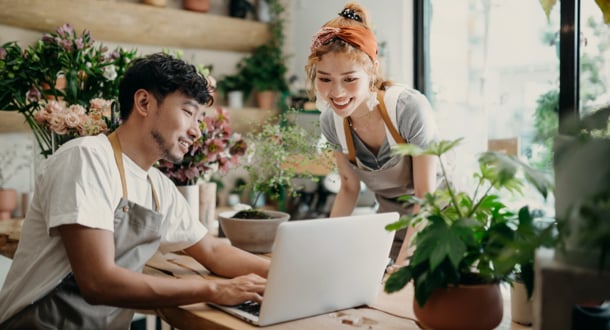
column 343, row 83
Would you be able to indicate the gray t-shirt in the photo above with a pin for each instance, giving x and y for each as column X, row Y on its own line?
column 415, row 123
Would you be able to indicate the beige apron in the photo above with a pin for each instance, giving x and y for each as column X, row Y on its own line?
column 136, row 238
column 392, row 180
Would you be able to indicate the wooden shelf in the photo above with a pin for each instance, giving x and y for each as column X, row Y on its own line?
column 136, row 23
column 13, row 122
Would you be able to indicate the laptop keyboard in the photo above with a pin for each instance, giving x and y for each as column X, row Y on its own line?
column 251, row 307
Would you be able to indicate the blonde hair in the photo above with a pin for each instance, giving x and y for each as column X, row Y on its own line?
column 358, row 18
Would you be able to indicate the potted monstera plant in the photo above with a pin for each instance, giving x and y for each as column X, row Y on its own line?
column 464, row 241
column 270, row 164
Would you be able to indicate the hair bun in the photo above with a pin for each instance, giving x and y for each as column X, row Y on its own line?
column 350, row 14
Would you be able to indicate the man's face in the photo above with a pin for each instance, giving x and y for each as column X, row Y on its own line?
column 177, row 125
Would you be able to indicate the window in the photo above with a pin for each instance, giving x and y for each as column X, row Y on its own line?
column 491, row 69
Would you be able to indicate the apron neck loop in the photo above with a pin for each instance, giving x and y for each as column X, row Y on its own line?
column 386, row 118
column 351, row 152
column 118, row 157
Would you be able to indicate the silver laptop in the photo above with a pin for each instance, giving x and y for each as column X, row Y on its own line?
column 320, row 266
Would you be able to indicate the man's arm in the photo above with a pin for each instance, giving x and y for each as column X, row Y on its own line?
column 225, row 260
column 101, row 281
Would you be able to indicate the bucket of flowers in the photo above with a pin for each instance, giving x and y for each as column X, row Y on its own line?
column 65, row 85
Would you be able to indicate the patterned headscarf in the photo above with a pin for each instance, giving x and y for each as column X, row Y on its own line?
column 359, row 37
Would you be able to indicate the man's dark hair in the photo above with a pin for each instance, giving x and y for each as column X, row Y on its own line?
column 162, row 74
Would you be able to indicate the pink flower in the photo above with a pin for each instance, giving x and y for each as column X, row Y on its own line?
column 213, row 152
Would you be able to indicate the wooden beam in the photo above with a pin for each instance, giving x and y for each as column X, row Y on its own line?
column 136, row 23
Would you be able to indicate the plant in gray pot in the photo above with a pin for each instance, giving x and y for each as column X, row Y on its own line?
column 582, row 180
column 275, row 152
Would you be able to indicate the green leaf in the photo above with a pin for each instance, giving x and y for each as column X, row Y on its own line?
column 435, row 149
column 398, row 280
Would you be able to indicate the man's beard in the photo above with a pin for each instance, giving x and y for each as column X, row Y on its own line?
column 165, row 150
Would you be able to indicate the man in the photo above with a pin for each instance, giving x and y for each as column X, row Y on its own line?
column 101, row 210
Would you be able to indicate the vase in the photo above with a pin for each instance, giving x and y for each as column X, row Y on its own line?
column 207, row 204
column 191, row 194
column 520, row 305
column 8, row 203
column 235, row 99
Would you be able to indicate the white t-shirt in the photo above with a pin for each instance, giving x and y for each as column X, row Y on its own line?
column 80, row 184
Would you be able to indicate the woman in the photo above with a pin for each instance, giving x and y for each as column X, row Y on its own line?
column 343, row 74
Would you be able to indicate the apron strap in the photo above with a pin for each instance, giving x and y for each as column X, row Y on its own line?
column 351, row 152
column 155, row 196
column 118, row 157
column 388, row 122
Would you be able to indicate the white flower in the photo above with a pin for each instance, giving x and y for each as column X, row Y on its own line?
column 109, row 72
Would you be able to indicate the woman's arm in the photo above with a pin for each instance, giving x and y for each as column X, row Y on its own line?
column 346, row 199
column 424, row 181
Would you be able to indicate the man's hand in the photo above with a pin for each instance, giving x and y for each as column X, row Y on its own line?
column 239, row 289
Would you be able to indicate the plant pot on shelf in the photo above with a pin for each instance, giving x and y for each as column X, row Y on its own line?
column 252, row 235
column 8, row 203
column 265, row 99
column 462, row 307
column 202, row 6
column 235, row 99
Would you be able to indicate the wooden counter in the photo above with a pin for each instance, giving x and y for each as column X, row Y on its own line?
column 9, row 236
column 390, row 311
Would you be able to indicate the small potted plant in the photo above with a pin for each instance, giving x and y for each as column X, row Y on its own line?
column 265, row 68
column 235, row 88
column 582, row 193
column 462, row 242
column 270, row 166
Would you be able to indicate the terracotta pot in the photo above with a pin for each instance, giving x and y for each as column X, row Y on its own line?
column 265, row 99
column 473, row 307
column 196, row 5
column 8, row 203
column 252, row 235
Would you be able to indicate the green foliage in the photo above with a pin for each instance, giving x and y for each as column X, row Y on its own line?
column 265, row 68
column 275, row 149
column 463, row 234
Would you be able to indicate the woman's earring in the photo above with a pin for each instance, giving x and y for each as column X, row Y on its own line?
column 372, row 102
column 321, row 103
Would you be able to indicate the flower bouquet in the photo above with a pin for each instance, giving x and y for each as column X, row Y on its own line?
column 217, row 150
column 61, row 70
